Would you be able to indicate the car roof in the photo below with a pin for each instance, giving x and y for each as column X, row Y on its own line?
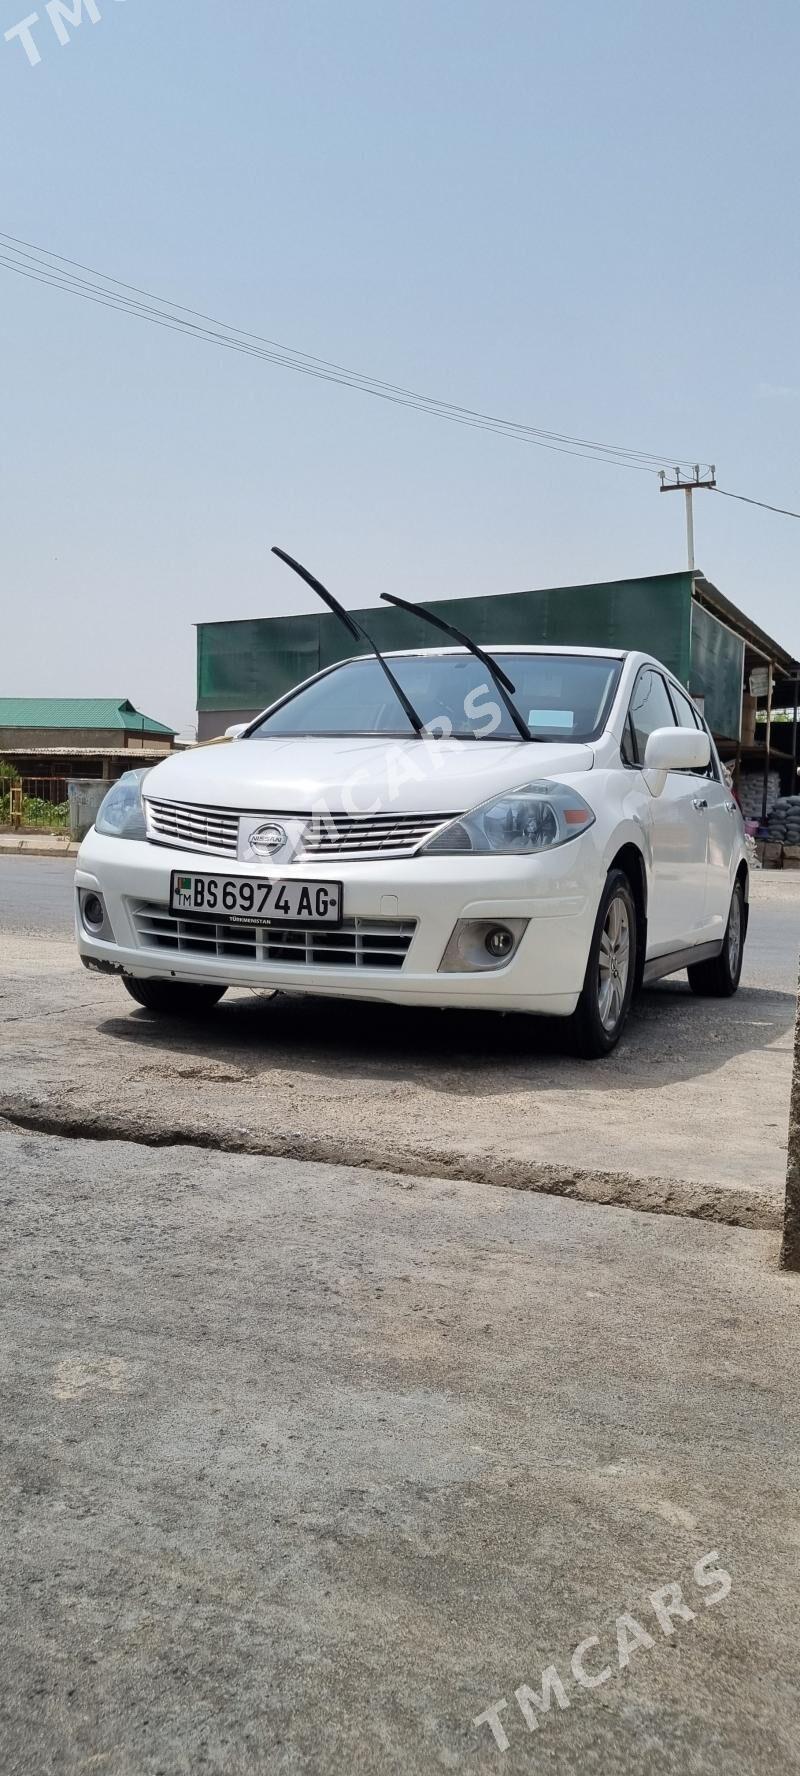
column 492, row 648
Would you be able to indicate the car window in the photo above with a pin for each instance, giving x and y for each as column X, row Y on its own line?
column 689, row 717
column 628, row 742
column 684, row 708
column 650, row 709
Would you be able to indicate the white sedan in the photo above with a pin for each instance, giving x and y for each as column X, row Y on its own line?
column 524, row 829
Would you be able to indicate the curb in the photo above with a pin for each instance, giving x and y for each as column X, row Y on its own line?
column 35, row 848
column 753, row 1210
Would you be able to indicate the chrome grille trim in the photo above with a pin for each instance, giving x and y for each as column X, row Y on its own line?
column 356, row 943
column 193, row 828
column 357, row 835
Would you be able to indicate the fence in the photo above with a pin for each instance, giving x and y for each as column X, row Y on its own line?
column 34, row 804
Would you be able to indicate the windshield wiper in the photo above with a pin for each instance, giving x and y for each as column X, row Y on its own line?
column 356, row 630
column 502, row 682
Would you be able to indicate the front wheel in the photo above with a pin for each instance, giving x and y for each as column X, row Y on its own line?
column 602, row 1010
column 173, row 998
column 719, row 978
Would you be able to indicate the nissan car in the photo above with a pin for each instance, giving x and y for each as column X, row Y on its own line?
column 527, row 829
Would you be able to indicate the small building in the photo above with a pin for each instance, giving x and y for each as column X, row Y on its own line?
column 60, row 737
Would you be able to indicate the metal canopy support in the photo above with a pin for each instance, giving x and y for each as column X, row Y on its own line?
column 794, row 738
column 765, row 790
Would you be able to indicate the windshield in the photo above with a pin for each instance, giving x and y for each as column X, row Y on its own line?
column 561, row 697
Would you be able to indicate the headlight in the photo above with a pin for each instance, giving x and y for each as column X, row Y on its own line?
column 535, row 817
column 121, row 814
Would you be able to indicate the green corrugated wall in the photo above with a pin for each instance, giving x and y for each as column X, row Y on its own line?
column 246, row 665
column 717, row 663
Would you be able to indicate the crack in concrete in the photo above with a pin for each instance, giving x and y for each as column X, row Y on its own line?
column 754, row 1210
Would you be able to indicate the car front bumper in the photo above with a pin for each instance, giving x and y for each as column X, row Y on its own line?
column 556, row 893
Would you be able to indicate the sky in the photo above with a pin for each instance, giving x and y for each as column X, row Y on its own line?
column 582, row 217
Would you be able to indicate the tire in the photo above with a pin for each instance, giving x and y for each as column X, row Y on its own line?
column 173, row 998
column 602, row 1010
column 719, row 978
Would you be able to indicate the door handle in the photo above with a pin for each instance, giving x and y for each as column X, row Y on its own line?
column 732, row 807
column 699, row 802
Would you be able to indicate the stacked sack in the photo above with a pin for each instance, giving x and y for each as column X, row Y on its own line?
column 751, row 793
column 783, row 825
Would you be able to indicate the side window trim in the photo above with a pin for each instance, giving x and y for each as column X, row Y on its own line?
column 629, row 734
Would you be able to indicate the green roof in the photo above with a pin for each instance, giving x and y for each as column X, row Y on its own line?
column 77, row 712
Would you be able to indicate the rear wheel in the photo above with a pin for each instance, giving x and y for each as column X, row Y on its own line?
column 719, row 978
column 173, row 998
column 602, row 1010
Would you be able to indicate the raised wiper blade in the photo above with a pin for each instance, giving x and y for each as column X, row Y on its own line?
column 502, row 682
column 356, row 630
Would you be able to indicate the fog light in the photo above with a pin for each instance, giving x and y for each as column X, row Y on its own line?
column 499, row 941
column 476, row 945
column 93, row 916
column 93, row 911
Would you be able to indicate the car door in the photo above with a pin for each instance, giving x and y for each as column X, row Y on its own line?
column 677, row 825
column 723, row 828
column 724, row 848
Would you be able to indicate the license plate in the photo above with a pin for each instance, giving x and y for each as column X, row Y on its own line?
column 252, row 900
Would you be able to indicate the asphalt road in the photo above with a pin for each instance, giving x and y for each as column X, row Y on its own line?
column 303, row 1469
column 690, row 1113
column 36, row 898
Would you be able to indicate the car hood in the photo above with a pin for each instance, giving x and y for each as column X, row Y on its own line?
column 360, row 774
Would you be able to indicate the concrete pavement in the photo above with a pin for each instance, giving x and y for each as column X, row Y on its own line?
column 689, row 1115
column 304, row 1468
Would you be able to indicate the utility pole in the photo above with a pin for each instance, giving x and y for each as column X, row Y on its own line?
column 687, row 484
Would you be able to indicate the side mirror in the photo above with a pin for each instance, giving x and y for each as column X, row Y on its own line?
column 236, row 730
column 677, row 749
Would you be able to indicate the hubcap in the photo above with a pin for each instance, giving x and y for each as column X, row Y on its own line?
column 734, row 935
column 615, row 962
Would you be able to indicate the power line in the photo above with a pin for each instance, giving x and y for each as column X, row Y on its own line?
column 306, row 357
column 40, row 271
column 784, row 510
column 326, row 364
column 231, row 344
column 40, row 265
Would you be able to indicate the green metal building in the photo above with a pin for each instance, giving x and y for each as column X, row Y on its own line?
column 681, row 618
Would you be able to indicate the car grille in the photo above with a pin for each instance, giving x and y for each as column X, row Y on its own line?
column 356, row 943
column 354, row 835
column 196, row 829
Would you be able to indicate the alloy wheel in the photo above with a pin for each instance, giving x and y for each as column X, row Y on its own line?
column 734, row 934
column 615, row 962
